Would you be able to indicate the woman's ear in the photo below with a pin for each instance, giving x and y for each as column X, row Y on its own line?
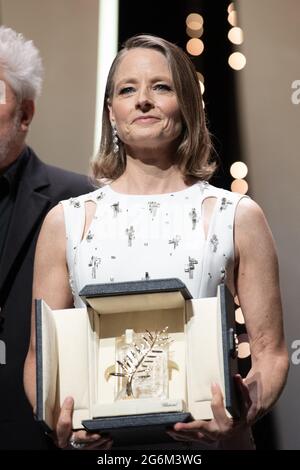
column 27, row 113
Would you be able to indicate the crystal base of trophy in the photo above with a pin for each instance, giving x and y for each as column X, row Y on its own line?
column 142, row 362
column 138, row 359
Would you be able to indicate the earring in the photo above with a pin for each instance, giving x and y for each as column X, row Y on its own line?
column 115, row 140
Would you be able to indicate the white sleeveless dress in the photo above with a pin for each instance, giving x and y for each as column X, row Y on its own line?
column 134, row 237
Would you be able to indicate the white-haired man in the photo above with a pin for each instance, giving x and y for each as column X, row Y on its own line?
column 28, row 189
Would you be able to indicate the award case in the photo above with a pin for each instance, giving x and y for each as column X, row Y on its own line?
column 75, row 351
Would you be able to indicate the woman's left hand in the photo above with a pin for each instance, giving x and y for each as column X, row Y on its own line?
column 65, row 438
column 221, row 427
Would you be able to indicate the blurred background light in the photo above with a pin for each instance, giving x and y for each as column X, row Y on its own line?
column 237, row 60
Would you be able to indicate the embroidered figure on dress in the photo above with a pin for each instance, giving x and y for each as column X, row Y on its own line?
column 214, row 242
column 153, row 206
column 116, row 208
column 194, row 217
column 224, row 203
column 89, row 236
column 94, row 264
column 100, row 196
column 71, row 282
column 74, row 202
column 130, row 234
column 191, row 266
column 175, row 241
column 203, row 186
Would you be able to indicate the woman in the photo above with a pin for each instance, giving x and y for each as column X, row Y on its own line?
column 157, row 216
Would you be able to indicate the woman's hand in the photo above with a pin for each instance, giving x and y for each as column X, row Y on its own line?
column 221, row 427
column 80, row 440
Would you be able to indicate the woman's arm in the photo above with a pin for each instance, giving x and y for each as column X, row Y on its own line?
column 50, row 282
column 257, row 285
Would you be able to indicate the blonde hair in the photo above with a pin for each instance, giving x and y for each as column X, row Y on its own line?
column 194, row 149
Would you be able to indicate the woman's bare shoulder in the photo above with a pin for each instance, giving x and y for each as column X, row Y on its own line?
column 251, row 227
column 249, row 214
column 55, row 218
column 53, row 227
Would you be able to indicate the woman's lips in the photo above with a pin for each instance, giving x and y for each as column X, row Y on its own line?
column 146, row 119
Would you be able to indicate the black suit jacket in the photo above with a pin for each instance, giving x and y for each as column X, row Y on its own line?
column 41, row 187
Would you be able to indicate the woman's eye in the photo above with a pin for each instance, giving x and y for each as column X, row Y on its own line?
column 126, row 90
column 162, row 87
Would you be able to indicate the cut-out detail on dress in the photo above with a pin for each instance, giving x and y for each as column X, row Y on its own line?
column 88, row 217
column 208, row 208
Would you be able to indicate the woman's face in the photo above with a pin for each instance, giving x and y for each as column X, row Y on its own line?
column 144, row 106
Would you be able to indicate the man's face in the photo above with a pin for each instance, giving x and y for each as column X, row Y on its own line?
column 10, row 121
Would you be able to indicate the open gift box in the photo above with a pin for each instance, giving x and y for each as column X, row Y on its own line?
column 77, row 350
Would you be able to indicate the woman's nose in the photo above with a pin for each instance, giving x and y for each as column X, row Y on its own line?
column 144, row 100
